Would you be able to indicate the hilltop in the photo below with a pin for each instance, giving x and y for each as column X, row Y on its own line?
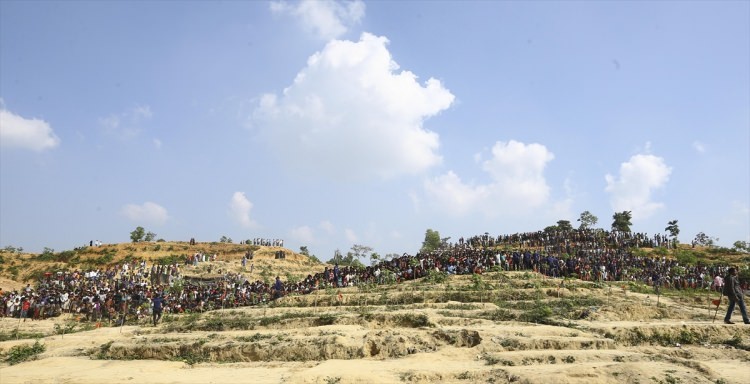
column 19, row 269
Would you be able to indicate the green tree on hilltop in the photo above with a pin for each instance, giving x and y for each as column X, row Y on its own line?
column 564, row 225
column 673, row 229
column 587, row 220
column 621, row 221
column 138, row 234
column 431, row 241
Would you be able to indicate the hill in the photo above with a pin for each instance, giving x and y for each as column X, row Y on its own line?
column 495, row 327
column 19, row 269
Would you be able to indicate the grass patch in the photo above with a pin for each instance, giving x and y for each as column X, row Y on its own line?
column 15, row 335
column 253, row 338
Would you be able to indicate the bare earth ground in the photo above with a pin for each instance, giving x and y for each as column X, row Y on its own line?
column 458, row 331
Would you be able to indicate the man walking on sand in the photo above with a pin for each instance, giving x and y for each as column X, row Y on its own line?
column 733, row 291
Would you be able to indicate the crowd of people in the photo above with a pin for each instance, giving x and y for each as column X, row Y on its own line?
column 134, row 290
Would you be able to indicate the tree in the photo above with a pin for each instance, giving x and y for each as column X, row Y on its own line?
column 704, row 240
column 225, row 239
column 374, row 258
column 150, row 236
column 742, row 246
column 391, row 256
column 303, row 250
column 587, row 220
column 337, row 258
column 361, row 251
column 431, row 241
column 673, row 229
column 351, row 259
column 138, row 234
column 564, row 225
column 13, row 249
column 444, row 242
column 621, row 221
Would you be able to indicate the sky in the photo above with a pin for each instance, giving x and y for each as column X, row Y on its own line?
column 334, row 123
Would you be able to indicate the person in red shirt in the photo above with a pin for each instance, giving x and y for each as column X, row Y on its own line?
column 25, row 308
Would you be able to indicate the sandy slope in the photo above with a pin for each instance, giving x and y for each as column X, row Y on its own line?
column 626, row 339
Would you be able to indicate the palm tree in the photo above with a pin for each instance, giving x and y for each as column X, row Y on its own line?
column 673, row 229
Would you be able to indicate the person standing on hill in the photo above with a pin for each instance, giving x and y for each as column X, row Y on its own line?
column 158, row 307
column 718, row 284
column 278, row 288
column 733, row 291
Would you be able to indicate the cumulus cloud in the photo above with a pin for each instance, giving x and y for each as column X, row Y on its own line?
column 20, row 132
column 351, row 114
column 517, row 182
column 639, row 178
column 126, row 125
column 303, row 234
column 327, row 227
column 239, row 209
column 148, row 212
column 324, row 18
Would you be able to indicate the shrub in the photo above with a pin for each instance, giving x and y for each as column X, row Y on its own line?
column 686, row 257
column 539, row 313
column 413, row 320
column 21, row 353
column 171, row 259
column 105, row 259
column 436, row 277
column 325, row 319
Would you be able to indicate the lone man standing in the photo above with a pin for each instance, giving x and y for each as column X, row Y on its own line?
column 158, row 303
column 733, row 291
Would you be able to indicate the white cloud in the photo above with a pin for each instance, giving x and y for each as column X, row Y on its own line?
column 350, row 114
column 517, row 183
column 639, row 178
column 328, row 227
column 303, row 235
column 239, row 209
column 126, row 125
column 19, row 132
column 148, row 213
column 351, row 236
column 699, row 147
column 324, row 18
column 157, row 143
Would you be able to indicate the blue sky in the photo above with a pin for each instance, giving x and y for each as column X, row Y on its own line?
column 329, row 124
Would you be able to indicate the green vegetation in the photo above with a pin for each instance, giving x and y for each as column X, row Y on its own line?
column 24, row 352
column 15, row 335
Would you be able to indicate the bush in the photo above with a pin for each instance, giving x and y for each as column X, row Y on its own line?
column 171, row 259
column 686, row 257
column 413, row 320
column 540, row 314
column 325, row 319
column 21, row 353
column 436, row 277
column 105, row 259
